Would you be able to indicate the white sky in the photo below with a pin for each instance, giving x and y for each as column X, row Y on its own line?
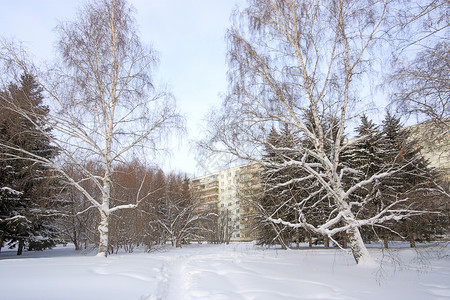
column 188, row 34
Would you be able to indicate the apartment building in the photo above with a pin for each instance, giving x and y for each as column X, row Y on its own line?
column 228, row 193
column 435, row 144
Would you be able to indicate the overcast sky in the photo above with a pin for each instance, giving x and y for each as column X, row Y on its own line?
column 188, row 34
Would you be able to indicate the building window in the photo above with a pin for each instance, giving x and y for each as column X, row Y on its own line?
column 221, row 176
column 229, row 203
column 222, row 205
column 237, row 202
column 237, row 211
column 238, row 235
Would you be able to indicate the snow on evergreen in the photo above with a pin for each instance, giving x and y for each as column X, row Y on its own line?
column 11, row 191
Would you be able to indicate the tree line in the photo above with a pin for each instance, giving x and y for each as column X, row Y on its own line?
column 75, row 132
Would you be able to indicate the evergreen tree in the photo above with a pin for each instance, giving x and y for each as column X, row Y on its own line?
column 413, row 183
column 367, row 156
column 315, row 206
column 368, row 151
column 280, row 192
column 268, row 232
column 27, row 198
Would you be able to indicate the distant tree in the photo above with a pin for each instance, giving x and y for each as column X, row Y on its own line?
column 421, row 76
column 131, row 181
column 104, row 105
column 179, row 213
column 416, row 183
column 79, row 222
column 28, row 199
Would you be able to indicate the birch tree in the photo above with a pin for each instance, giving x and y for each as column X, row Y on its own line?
column 104, row 105
column 288, row 58
column 421, row 62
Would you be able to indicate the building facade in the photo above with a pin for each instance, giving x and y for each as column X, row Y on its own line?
column 229, row 194
column 435, row 145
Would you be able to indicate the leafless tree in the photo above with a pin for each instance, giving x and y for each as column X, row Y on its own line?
column 421, row 60
column 104, row 105
column 290, row 58
column 179, row 213
column 79, row 219
column 129, row 226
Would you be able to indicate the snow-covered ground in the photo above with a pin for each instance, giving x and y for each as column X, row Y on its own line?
column 235, row 271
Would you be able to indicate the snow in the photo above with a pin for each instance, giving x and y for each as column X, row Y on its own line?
column 11, row 191
column 236, row 271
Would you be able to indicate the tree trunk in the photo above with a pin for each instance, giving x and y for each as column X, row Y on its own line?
column 326, row 241
column 227, row 238
column 76, row 242
column 297, row 232
column 1, row 242
column 412, row 242
column 20, row 247
column 344, row 240
column 103, row 229
column 359, row 250
column 386, row 241
column 310, row 240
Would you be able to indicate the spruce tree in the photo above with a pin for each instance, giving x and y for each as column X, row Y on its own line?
column 367, row 156
column 410, row 185
column 27, row 198
column 268, row 232
column 413, row 182
column 280, row 194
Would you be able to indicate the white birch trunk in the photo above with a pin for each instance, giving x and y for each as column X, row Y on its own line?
column 104, row 234
column 359, row 250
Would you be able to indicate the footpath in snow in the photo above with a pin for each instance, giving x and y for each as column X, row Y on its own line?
column 235, row 271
